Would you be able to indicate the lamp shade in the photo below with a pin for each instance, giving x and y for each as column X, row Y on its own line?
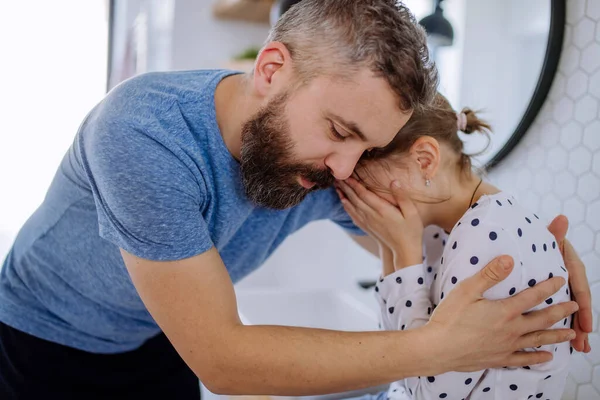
column 438, row 28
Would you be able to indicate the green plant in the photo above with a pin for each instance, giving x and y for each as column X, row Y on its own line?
column 249, row 54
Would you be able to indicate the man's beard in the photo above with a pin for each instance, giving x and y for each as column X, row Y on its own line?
column 269, row 173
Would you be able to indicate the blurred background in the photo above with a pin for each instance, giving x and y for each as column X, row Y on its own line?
column 533, row 67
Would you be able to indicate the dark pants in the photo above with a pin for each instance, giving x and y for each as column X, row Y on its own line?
column 36, row 369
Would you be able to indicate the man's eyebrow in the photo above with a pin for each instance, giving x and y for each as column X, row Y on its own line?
column 350, row 126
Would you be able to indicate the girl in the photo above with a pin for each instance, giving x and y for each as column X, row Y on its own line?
column 469, row 222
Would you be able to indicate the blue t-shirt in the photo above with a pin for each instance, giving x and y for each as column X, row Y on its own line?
column 148, row 172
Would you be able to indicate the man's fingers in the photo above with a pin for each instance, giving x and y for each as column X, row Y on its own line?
column 580, row 288
column 540, row 338
column 558, row 227
column 526, row 358
column 495, row 271
column 531, row 297
column 546, row 318
column 588, row 348
column 579, row 342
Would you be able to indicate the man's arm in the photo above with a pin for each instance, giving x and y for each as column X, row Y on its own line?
column 193, row 302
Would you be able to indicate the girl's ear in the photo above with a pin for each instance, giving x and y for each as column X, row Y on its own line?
column 426, row 152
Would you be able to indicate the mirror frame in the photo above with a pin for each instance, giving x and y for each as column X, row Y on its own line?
column 544, row 83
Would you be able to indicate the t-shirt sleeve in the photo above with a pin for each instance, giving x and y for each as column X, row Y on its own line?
column 148, row 199
column 342, row 219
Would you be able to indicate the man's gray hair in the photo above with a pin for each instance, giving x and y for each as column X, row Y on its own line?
column 339, row 37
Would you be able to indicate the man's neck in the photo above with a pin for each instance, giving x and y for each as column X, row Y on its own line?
column 234, row 104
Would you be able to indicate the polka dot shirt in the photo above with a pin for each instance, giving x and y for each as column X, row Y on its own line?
column 493, row 226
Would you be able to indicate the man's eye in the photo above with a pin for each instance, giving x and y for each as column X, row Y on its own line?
column 335, row 133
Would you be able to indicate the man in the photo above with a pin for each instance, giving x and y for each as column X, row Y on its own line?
column 178, row 184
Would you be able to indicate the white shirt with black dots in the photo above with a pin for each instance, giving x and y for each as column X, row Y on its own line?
column 493, row 226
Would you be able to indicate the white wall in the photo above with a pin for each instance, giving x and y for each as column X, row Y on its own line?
column 52, row 72
column 201, row 41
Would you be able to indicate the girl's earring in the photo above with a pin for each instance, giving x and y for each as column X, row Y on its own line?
column 427, row 182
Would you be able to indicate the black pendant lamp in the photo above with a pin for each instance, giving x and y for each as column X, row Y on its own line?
column 438, row 28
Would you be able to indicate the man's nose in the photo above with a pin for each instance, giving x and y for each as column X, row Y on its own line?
column 342, row 165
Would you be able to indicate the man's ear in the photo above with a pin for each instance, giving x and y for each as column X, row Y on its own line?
column 272, row 69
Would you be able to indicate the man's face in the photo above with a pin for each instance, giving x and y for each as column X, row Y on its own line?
column 303, row 141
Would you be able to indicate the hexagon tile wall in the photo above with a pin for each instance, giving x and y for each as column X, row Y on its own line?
column 556, row 167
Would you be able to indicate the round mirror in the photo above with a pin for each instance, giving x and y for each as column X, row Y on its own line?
column 498, row 57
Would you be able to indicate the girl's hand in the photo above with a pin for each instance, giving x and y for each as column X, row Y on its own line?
column 399, row 228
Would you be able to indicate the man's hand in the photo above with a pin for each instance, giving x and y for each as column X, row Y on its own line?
column 580, row 288
column 473, row 333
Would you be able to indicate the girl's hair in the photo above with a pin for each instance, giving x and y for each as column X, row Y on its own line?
column 441, row 122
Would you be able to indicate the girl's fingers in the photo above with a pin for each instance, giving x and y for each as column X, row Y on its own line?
column 354, row 199
column 371, row 199
column 405, row 203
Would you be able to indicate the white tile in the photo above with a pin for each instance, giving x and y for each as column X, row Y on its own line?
column 586, row 108
column 593, row 216
column 583, row 32
column 557, row 159
column 535, row 157
column 530, row 200
column 591, row 136
column 569, row 61
column 596, row 371
column 580, row 160
column 551, row 135
column 524, row 177
column 570, row 136
column 568, row 39
column 565, row 185
column 558, row 87
column 593, row 9
column 595, row 289
column 598, row 32
column 582, row 238
column 543, row 181
column 594, row 88
column 590, row 61
column 575, row 11
column 577, row 85
column 587, row 392
column 574, row 209
column 596, row 164
column 597, row 248
column 551, row 206
column 581, row 370
column 592, row 270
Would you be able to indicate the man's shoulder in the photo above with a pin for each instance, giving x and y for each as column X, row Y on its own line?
column 156, row 89
column 321, row 204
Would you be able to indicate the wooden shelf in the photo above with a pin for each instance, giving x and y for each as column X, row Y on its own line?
column 243, row 10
